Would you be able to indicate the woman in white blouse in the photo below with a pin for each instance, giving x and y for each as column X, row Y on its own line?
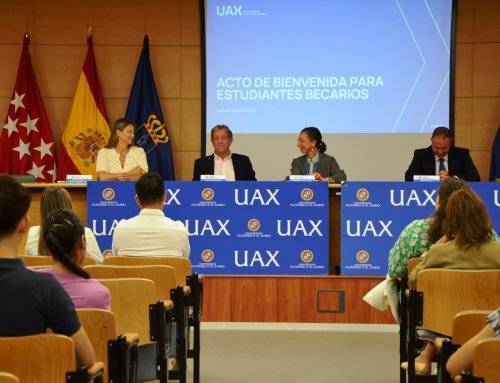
column 57, row 198
column 120, row 160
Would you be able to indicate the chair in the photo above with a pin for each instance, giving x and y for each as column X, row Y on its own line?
column 135, row 309
column 5, row 377
column 165, row 281
column 24, row 357
column 441, row 294
column 100, row 328
column 181, row 265
column 44, row 260
column 486, row 360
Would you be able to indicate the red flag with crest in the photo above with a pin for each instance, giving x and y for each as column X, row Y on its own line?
column 26, row 140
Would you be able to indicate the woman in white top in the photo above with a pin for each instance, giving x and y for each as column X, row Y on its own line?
column 120, row 160
column 57, row 198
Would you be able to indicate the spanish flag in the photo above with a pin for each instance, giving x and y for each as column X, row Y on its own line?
column 86, row 129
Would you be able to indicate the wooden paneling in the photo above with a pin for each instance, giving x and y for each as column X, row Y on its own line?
column 172, row 112
column 482, row 160
column 57, row 111
column 463, row 122
column 465, row 21
column 487, row 26
column 486, row 69
column 191, row 72
column 464, row 71
column 289, row 299
column 190, row 22
column 187, row 160
column 9, row 59
column 486, row 119
column 15, row 19
column 190, row 125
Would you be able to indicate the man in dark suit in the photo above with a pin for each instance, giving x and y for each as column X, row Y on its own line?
column 442, row 159
column 236, row 167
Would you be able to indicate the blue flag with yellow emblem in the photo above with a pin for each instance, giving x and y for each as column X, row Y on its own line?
column 144, row 111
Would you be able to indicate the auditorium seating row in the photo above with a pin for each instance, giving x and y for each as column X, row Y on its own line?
column 447, row 308
column 149, row 297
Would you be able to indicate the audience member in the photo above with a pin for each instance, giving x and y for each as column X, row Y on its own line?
column 120, row 160
column 56, row 198
column 314, row 160
column 64, row 237
column 442, row 159
column 236, row 167
column 150, row 233
column 462, row 359
column 31, row 302
column 467, row 243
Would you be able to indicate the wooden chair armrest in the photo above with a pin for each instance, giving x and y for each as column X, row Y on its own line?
column 457, row 378
column 168, row 304
column 438, row 343
column 131, row 337
column 186, row 289
column 95, row 370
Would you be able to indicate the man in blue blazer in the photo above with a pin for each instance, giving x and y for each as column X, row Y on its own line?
column 235, row 167
column 442, row 159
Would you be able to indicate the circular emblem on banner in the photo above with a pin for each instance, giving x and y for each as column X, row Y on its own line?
column 208, row 194
column 362, row 194
column 253, row 224
column 362, row 256
column 307, row 256
column 108, row 194
column 307, row 194
column 107, row 253
column 207, row 255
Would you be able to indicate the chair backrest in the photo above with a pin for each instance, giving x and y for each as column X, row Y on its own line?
column 130, row 300
column 100, row 328
column 41, row 358
column 44, row 260
column 181, row 265
column 466, row 324
column 486, row 357
column 164, row 277
column 447, row 292
column 5, row 377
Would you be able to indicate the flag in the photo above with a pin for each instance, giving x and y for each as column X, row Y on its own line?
column 144, row 111
column 87, row 129
column 495, row 158
column 26, row 140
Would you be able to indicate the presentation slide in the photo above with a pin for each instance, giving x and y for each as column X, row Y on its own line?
column 345, row 66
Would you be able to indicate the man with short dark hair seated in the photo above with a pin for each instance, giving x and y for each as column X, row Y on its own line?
column 31, row 302
column 150, row 233
column 442, row 159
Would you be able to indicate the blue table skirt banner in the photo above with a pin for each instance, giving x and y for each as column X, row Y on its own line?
column 375, row 213
column 247, row 228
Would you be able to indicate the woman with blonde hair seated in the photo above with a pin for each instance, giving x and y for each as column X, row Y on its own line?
column 468, row 243
column 56, row 198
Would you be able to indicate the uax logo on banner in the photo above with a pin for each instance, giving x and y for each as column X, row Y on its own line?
column 362, row 258
column 249, row 258
column 247, row 197
column 200, row 227
column 307, row 194
column 496, row 198
column 108, row 195
column 293, row 228
column 172, row 197
column 207, row 199
column 359, row 228
column 306, row 261
column 362, row 199
column 412, row 197
column 208, row 261
column 307, row 256
column 101, row 227
column 306, row 199
column 254, row 226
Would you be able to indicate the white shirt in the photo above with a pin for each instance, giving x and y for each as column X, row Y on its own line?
column 445, row 163
column 224, row 167
column 108, row 160
column 149, row 234
column 92, row 251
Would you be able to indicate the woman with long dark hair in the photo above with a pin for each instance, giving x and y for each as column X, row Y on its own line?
column 64, row 237
column 314, row 160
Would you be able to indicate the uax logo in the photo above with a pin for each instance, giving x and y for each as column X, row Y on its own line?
column 208, row 194
column 362, row 194
column 307, row 256
column 207, row 255
column 362, row 256
column 229, row 10
column 307, row 194
column 108, row 194
column 253, row 224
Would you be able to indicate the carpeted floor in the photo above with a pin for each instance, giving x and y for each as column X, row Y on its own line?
column 297, row 353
